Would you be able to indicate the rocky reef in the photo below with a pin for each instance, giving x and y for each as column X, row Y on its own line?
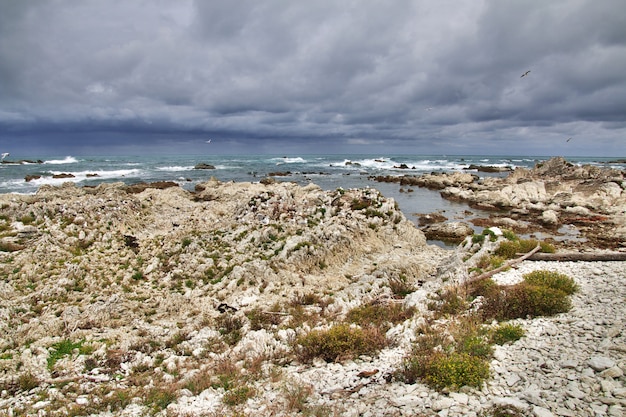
column 266, row 299
column 553, row 194
column 127, row 268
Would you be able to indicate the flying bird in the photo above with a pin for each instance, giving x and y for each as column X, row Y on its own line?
column 208, row 141
column 525, row 74
column 568, row 139
column 428, row 108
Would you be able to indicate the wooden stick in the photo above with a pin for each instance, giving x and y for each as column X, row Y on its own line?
column 577, row 256
column 505, row 266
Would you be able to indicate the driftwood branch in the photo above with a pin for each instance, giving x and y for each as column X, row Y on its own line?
column 577, row 256
column 506, row 265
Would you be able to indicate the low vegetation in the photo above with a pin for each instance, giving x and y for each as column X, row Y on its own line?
column 457, row 353
column 175, row 349
column 340, row 342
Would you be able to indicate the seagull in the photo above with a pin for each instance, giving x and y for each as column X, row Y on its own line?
column 525, row 74
column 428, row 108
column 208, row 141
column 568, row 139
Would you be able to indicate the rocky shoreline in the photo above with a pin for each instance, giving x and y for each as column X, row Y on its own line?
column 552, row 196
column 152, row 300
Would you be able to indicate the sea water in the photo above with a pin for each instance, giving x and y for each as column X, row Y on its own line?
column 328, row 171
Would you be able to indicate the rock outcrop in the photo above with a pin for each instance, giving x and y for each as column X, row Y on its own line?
column 152, row 300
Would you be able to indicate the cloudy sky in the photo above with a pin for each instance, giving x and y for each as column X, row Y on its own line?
column 324, row 76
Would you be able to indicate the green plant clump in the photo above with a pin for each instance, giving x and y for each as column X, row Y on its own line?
column 506, row 333
column 448, row 370
column 525, row 300
column 542, row 293
column 510, row 249
column 379, row 315
column 61, row 349
column 340, row 342
column 551, row 279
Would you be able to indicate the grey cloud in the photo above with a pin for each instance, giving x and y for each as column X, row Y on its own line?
column 366, row 71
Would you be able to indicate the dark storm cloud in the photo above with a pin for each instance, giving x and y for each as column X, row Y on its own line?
column 354, row 75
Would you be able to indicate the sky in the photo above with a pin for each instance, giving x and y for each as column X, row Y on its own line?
column 326, row 76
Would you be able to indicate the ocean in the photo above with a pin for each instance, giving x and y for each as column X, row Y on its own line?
column 328, row 171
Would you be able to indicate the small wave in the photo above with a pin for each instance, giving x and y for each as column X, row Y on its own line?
column 380, row 163
column 97, row 174
column 175, row 168
column 286, row 160
column 67, row 160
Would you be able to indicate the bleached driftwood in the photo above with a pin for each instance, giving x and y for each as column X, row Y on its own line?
column 577, row 256
column 506, row 265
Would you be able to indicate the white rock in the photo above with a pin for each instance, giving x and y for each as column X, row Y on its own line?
column 442, row 404
column 550, row 217
column 619, row 392
column 616, row 410
column 512, row 379
column 600, row 363
column 574, row 392
column 41, row 404
column 542, row 412
column 459, row 398
column 613, row 372
column 507, row 401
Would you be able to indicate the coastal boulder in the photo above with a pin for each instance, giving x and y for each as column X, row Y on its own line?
column 448, row 232
column 203, row 165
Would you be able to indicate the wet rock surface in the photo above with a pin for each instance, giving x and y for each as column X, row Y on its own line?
column 553, row 195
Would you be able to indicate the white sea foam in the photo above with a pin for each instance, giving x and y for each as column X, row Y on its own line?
column 286, row 160
column 175, row 168
column 98, row 174
column 66, row 160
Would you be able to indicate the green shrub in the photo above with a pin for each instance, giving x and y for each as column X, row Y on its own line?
column 509, row 235
column 449, row 370
column 507, row 333
column 449, row 303
column 525, row 300
column 526, row 245
column 379, row 315
column 474, row 345
column 484, row 287
column 360, row 204
column 489, row 262
column 307, row 299
column 508, row 249
column 492, row 236
column 553, row 280
column 340, row 342
column 456, row 370
column 478, row 238
column 546, row 247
